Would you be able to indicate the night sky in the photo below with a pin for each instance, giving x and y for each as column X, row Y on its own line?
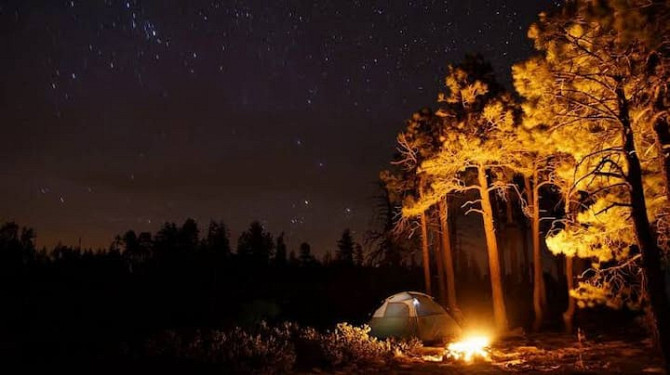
column 120, row 115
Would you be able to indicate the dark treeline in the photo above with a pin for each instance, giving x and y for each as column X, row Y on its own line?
column 70, row 305
column 67, row 303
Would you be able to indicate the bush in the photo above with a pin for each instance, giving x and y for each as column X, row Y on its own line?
column 269, row 350
column 264, row 349
column 349, row 344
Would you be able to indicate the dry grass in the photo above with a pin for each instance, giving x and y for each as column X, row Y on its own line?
column 346, row 349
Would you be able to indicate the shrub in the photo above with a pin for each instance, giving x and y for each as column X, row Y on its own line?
column 264, row 349
column 270, row 350
column 349, row 344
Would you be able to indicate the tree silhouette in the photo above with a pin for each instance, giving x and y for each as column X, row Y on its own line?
column 292, row 259
column 217, row 242
column 136, row 249
column 255, row 244
column 387, row 247
column 189, row 235
column 327, row 258
column 129, row 242
column 166, row 240
column 280, row 254
column 345, row 249
column 359, row 257
column 306, row 259
column 17, row 245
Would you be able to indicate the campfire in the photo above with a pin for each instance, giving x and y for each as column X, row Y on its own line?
column 469, row 348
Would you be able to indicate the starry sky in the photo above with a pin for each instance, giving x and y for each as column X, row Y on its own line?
column 126, row 114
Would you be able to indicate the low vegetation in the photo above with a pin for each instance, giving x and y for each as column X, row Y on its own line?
column 279, row 349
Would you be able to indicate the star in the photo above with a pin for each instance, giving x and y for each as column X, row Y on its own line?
column 238, row 106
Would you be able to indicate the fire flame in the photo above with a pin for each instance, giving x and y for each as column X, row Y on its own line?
column 469, row 348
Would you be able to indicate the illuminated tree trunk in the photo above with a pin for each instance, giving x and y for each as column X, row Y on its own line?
column 511, row 240
column 501, row 252
column 424, row 251
column 499, row 311
column 526, row 262
column 559, row 259
column 538, row 282
column 662, row 137
column 651, row 255
column 662, row 130
column 439, row 256
column 500, row 237
column 508, row 211
column 536, row 244
column 447, row 255
column 569, row 314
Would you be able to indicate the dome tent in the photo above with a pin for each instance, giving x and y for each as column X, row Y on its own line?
column 408, row 314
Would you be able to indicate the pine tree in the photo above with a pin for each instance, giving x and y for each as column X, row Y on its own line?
column 359, row 257
column 217, row 241
column 386, row 246
column 305, row 257
column 280, row 253
column 292, row 259
column 345, row 249
column 447, row 258
column 188, row 235
column 477, row 120
column 144, row 244
column 590, row 86
column 417, row 142
column 327, row 258
column 130, row 244
column 255, row 244
column 421, row 140
column 166, row 240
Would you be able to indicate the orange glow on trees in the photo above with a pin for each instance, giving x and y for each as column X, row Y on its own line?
column 415, row 144
column 590, row 86
column 476, row 118
column 596, row 126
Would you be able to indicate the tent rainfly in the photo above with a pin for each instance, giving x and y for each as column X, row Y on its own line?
column 413, row 314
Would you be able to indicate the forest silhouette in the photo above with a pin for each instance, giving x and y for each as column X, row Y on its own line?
column 73, row 305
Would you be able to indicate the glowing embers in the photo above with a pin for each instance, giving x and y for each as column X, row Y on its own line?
column 470, row 348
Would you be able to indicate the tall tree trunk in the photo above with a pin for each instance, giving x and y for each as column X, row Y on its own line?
column 559, row 259
column 500, row 231
column 569, row 313
column 511, row 240
column 651, row 255
column 662, row 137
column 509, row 214
column 457, row 253
column 525, row 276
column 528, row 275
column 500, row 237
column 439, row 257
column 499, row 311
column 424, row 252
column 536, row 244
column 447, row 256
column 538, row 284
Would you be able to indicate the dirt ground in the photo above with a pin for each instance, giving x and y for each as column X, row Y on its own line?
column 540, row 354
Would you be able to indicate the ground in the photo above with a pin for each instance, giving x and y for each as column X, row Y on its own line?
column 537, row 354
